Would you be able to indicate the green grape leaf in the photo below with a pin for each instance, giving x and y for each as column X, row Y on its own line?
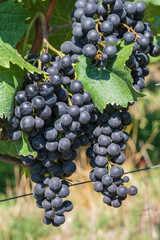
column 154, row 2
column 11, row 81
column 110, row 85
column 21, row 147
column 9, row 55
column 12, row 26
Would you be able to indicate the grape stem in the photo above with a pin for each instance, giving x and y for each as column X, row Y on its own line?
column 131, row 29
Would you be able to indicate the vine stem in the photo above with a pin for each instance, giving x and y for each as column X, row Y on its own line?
column 12, row 160
column 28, row 33
column 53, row 29
column 39, row 37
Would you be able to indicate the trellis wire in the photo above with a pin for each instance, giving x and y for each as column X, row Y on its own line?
column 80, row 183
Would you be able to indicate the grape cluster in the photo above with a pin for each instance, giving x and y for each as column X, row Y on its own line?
column 59, row 117
column 108, row 140
column 52, row 113
column 99, row 28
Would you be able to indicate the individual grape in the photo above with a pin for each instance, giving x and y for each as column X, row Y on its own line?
column 88, row 24
column 113, row 149
column 116, row 202
column 107, row 200
column 84, row 140
column 56, row 79
column 114, row 121
column 64, row 191
column 104, row 141
column 155, row 51
column 112, row 188
column 116, row 6
column 53, row 156
column 84, row 117
column 89, row 50
column 110, row 39
column 68, row 205
column 78, row 14
column 20, row 97
column 90, row 9
column 44, row 113
column 38, row 102
column 26, row 108
column 76, row 86
column 36, row 178
column 98, row 186
column 129, row 37
column 64, row 145
column 119, row 159
column 107, row 180
column 126, row 179
column 49, row 193
column 51, row 146
column 39, row 123
column 45, row 57
column 117, row 136
column 66, row 47
column 106, row 27
column 101, row 161
column 46, row 204
column 49, row 214
column 122, row 192
column 31, row 91
column 132, row 190
column 100, row 172
column 36, row 167
column 110, row 50
column 102, row 9
column 66, row 120
column 39, row 188
column 130, row 8
column 59, row 219
column 62, row 95
column 60, row 109
column 45, row 89
column 138, row 27
column 47, row 221
column 114, row 19
column 128, row 20
column 106, row 129
column 55, row 184
column 116, row 171
column 50, row 100
column 38, row 142
column 69, row 168
column 77, row 31
column 99, row 150
column 52, row 70
column 57, row 202
column 140, row 7
column 74, row 111
column 77, row 99
column 14, row 135
column 27, row 123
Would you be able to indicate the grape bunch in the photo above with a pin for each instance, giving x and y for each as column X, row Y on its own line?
column 100, row 26
column 108, row 141
column 52, row 113
column 59, row 116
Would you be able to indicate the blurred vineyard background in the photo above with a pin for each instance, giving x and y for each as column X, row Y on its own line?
column 138, row 218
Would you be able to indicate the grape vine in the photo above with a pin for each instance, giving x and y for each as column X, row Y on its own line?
column 60, row 106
